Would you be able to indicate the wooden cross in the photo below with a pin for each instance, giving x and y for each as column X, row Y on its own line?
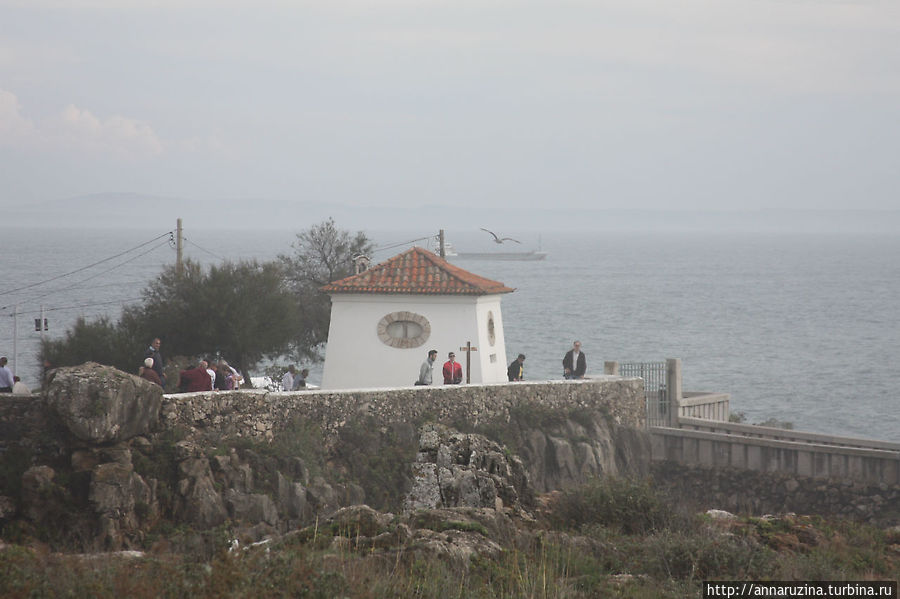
column 469, row 348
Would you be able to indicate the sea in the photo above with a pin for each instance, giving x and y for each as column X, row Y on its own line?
column 799, row 328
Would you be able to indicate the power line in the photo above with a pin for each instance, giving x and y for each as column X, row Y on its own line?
column 396, row 245
column 94, row 276
column 205, row 250
column 169, row 234
column 90, row 305
column 118, row 301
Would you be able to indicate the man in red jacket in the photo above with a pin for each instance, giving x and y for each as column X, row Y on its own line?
column 452, row 371
column 195, row 379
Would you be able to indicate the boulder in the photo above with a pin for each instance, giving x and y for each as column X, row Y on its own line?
column 121, row 499
column 100, row 404
column 454, row 469
column 199, row 502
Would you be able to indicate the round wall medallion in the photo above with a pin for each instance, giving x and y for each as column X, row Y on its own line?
column 404, row 330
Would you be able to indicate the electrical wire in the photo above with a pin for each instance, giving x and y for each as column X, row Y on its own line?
column 83, row 268
column 80, row 306
column 205, row 250
column 118, row 301
column 94, row 276
column 396, row 245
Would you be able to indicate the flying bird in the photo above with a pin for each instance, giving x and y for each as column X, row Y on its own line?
column 498, row 239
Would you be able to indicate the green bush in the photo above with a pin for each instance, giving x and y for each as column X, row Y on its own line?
column 626, row 505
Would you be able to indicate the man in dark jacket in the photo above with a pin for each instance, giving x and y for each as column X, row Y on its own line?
column 153, row 352
column 574, row 364
column 516, row 370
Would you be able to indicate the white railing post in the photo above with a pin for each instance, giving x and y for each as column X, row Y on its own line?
column 673, row 386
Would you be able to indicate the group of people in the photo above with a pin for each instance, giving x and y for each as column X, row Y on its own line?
column 10, row 383
column 574, row 367
column 208, row 375
column 293, row 380
column 452, row 370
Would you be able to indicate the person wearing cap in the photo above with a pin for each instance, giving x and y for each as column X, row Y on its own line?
column 452, row 370
column 148, row 373
column 516, row 370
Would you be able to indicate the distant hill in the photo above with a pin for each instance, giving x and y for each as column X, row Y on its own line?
column 145, row 211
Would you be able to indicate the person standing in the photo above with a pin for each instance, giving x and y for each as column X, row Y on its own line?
column 211, row 368
column 6, row 377
column 574, row 362
column 426, row 372
column 287, row 381
column 300, row 380
column 516, row 370
column 453, row 372
column 153, row 352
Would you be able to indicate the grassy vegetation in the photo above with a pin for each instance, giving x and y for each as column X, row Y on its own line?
column 609, row 538
column 378, row 459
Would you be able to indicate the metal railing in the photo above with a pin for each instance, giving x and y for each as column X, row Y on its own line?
column 656, row 393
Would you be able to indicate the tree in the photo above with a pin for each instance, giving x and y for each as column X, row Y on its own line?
column 322, row 254
column 241, row 311
column 100, row 340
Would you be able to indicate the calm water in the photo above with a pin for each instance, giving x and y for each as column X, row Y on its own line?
column 798, row 328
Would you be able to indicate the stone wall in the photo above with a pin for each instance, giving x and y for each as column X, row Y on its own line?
column 259, row 415
column 798, row 453
column 103, row 457
column 757, row 493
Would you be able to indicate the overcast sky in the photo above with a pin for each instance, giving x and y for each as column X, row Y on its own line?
column 698, row 104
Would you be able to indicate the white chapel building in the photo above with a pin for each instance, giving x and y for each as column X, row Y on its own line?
column 385, row 320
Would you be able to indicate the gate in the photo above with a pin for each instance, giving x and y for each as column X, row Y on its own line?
column 656, row 394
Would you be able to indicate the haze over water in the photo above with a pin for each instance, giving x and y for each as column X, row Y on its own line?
column 800, row 328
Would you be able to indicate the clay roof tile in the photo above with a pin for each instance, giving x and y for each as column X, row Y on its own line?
column 417, row 271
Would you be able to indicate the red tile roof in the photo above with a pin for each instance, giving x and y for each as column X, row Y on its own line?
column 417, row 271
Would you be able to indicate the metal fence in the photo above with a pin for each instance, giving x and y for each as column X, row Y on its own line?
column 656, row 394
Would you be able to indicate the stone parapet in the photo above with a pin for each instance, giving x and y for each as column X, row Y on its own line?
column 750, row 492
column 260, row 414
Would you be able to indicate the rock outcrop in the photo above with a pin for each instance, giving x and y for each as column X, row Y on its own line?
column 562, row 449
column 455, row 469
column 100, row 404
column 105, row 460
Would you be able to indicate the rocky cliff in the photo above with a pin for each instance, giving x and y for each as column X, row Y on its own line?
column 104, row 461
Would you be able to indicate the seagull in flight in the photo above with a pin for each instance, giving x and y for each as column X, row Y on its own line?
column 498, row 239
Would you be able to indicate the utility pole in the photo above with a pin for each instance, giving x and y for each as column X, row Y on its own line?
column 43, row 325
column 15, row 359
column 179, row 247
column 443, row 252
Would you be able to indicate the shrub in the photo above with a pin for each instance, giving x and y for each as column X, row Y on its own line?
column 630, row 506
